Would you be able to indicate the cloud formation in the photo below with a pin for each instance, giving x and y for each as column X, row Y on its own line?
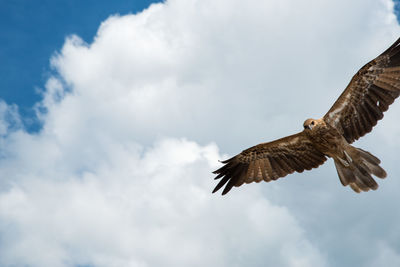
column 113, row 179
column 146, row 208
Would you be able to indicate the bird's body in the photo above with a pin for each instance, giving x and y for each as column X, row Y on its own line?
column 325, row 137
column 370, row 92
column 348, row 159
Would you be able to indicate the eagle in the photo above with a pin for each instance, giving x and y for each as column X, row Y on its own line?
column 357, row 110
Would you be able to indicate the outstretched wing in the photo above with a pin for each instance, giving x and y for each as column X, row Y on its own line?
column 369, row 93
column 269, row 161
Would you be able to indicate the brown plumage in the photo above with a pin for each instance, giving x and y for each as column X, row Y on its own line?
column 357, row 110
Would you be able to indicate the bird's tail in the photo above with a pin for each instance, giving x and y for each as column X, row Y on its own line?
column 356, row 169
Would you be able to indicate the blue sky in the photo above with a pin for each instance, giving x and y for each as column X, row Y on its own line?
column 134, row 121
column 33, row 30
column 397, row 8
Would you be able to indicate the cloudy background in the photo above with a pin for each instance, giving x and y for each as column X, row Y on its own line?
column 127, row 127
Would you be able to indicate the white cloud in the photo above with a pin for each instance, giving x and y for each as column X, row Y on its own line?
column 109, row 181
column 9, row 118
column 386, row 256
column 147, row 210
column 221, row 61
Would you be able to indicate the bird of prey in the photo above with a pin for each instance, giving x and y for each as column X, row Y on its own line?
column 357, row 110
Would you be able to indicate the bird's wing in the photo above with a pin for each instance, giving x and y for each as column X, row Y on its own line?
column 269, row 161
column 370, row 92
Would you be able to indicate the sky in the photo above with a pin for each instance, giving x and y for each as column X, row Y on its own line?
column 33, row 30
column 114, row 115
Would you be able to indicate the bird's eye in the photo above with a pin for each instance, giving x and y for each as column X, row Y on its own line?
column 312, row 123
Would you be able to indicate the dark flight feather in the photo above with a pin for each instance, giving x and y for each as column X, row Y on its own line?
column 269, row 161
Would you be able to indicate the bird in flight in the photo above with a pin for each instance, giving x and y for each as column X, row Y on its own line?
column 357, row 110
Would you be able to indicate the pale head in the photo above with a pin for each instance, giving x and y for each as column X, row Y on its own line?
column 309, row 124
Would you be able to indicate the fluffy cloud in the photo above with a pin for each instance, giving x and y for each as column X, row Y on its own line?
column 9, row 118
column 207, row 64
column 147, row 208
column 112, row 180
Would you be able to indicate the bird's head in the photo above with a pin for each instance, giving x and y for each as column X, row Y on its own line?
column 309, row 124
